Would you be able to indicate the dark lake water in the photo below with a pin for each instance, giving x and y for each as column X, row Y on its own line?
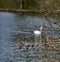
column 16, row 26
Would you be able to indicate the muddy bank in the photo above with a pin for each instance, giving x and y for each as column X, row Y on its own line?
column 30, row 11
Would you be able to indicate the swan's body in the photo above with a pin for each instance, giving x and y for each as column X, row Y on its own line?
column 37, row 32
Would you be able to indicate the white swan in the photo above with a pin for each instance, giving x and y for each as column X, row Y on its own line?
column 37, row 34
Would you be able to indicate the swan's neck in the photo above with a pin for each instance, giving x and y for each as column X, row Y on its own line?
column 41, row 29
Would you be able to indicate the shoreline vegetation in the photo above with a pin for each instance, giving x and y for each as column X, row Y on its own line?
column 43, row 7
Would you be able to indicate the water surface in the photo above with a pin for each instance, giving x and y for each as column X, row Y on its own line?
column 17, row 26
